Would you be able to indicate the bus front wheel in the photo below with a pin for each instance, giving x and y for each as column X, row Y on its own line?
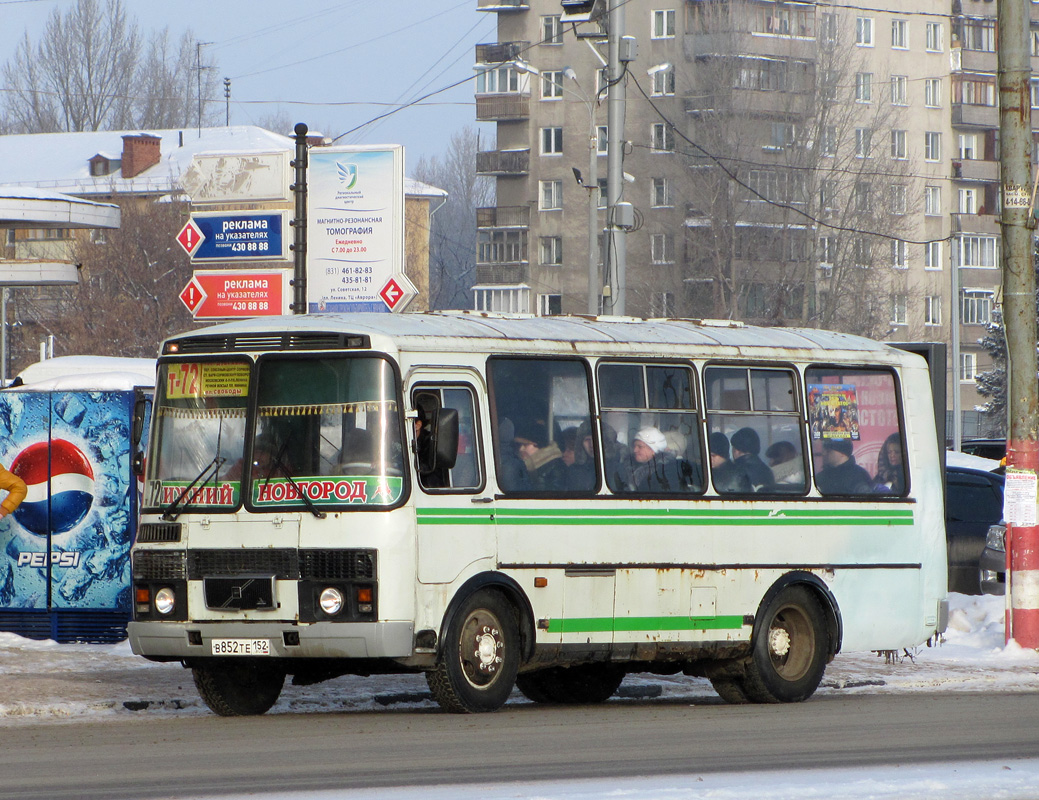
column 790, row 652
column 480, row 656
column 238, row 690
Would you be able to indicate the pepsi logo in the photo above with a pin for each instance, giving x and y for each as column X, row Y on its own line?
column 71, row 486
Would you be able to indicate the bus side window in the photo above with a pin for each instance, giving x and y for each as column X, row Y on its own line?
column 464, row 474
column 857, row 441
column 650, row 429
column 542, row 437
column 755, row 431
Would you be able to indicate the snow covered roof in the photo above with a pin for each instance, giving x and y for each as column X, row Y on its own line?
column 87, row 373
column 61, row 161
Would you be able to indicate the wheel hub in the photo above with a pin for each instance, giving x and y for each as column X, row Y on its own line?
column 779, row 642
column 488, row 643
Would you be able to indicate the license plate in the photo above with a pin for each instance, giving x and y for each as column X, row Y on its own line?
column 241, row 647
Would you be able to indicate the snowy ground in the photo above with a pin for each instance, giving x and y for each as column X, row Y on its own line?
column 43, row 682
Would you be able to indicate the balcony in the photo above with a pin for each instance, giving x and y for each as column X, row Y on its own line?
column 975, row 170
column 966, row 115
column 499, row 52
column 963, row 60
column 503, row 162
column 502, row 107
column 507, row 274
column 502, row 5
column 773, row 104
column 503, row 217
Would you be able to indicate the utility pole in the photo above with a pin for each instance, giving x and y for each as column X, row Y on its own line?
column 1019, row 315
column 615, row 260
column 227, row 102
column 299, row 222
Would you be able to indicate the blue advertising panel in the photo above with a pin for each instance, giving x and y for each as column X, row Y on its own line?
column 68, row 545
column 239, row 236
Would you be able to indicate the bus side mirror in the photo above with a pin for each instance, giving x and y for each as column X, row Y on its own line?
column 140, row 412
column 445, row 437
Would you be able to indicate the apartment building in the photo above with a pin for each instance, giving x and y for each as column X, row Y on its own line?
column 789, row 163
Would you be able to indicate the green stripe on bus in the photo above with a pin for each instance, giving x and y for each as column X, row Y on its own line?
column 609, row 517
column 638, row 624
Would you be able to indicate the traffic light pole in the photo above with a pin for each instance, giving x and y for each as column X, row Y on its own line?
column 1019, row 316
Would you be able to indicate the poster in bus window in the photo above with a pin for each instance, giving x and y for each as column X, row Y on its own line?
column 68, row 543
column 833, row 410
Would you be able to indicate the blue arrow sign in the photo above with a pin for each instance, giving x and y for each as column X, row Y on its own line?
column 239, row 237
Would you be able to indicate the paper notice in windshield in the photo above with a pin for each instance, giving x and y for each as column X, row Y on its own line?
column 1019, row 498
column 201, row 379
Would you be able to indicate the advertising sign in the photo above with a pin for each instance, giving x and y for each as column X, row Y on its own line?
column 67, row 546
column 236, row 294
column 239, row 236
column 355, row 226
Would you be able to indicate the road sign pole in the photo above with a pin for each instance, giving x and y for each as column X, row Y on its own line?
column 299, row 224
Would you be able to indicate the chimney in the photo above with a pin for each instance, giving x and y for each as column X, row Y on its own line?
column 140, row 151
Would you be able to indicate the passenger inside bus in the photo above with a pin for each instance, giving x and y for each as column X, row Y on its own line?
column 786, row 464
column 652, row 468
column 580, row 472
column 746, row 446
column 512, row 472
column 728, row 478
column 891, row 476
column 543, row 458
column 840, row 474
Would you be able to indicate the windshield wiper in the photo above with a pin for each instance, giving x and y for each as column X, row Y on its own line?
column 200, row 479
column 279, row 464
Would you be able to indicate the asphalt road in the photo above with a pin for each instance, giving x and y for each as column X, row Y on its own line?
column 210, row 755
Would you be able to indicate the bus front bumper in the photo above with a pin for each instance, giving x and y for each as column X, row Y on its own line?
column 171, row 641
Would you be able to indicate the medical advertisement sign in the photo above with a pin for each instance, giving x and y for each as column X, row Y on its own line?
column 355, row 226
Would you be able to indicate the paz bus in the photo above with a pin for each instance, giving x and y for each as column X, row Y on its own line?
column 547, row 503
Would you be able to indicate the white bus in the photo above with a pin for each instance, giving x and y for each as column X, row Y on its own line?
column 548, row 503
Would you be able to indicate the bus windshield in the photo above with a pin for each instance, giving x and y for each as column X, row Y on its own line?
column 199, row 439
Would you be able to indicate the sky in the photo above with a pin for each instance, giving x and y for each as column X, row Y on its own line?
column 333, row 64
column 973, row 657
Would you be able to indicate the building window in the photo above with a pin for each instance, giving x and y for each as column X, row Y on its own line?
column 860, row 252
column 1035, row 42
column 551, row 141
column 933, row 201
column 513, row 300
column 827, row 250
column 899, row 198
column 900, row 34
column 552, row 85
column 550, row 305
column 974, row 251
column 863, row 197
column 863, row 87
column 828, row 28
column 660, row 193
column 967, row 201
column 898, row 144
column 828, row 85
column 501, row 247
column 968, row 367
column 933, row 309
column 551, row 195
column 602, row 140
column 1035, row 93
column 783, row 135
column 662, row 305
column 662, row 248
column 828, row 194
column 604, row 192
column 863, row 139
column 864, row 31
column 551, row 30
column 968, row 146
column 664, row 81
column 976, row 308
column 932, row 146
column 663, row 138
column 933, row 255
column 933, row 92
column 976, row 92
column 979, row 33
column 664, row 24
column 935, row 38
column 899, row 309
column 552, row 251
column 899, row 254
column 497, row 80
column 899, row 90
column 828, row 140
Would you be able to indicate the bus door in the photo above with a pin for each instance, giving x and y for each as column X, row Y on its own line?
column 453, row 508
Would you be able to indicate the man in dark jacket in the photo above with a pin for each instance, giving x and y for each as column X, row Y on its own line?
column 840, row 474
column 726, row 476
column 746, row 447
column 544, row 459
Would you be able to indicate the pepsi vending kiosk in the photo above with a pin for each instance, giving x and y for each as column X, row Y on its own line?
column 65, row 568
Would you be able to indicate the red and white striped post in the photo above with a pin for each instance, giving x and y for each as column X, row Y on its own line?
column 1022, row 548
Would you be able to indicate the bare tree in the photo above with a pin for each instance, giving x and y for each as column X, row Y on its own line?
column 87, row 73
column 452, row 261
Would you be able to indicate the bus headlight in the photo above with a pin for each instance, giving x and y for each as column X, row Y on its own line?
column 165, row 600
column 331, row 601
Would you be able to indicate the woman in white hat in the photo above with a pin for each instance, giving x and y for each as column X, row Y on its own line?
column 655, row 468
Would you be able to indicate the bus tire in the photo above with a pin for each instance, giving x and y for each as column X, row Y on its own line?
column 730, row 690
column 581, row 685
column 480, row 656
column 238, row 690
column 789, row 654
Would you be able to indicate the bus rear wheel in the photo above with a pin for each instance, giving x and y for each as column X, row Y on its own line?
column 238, row 690
column 789, row 654
column 583, row 684
column 480, row 656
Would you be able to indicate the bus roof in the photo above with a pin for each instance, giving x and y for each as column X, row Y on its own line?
column 434, row 331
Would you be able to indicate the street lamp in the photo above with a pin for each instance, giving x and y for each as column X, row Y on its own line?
column 589, row 182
